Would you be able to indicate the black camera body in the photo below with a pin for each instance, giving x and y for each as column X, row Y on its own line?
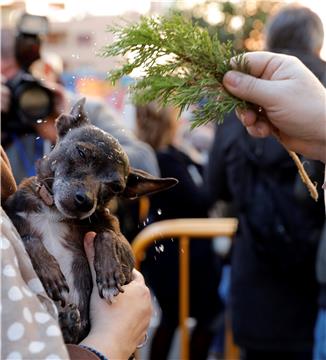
column 30, row 100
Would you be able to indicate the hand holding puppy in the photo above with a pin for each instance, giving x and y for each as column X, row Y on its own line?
column 117, row 329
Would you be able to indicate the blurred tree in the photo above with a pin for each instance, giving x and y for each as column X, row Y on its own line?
column 241, row 22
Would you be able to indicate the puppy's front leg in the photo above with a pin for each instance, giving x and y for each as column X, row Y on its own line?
column 47, row 268
column 113, row 263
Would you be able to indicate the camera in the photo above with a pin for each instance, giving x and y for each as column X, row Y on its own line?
column 30, row 100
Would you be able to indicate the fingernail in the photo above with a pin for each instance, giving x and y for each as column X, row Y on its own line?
column 232, row 78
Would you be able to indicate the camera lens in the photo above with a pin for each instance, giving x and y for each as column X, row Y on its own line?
column 34, row 102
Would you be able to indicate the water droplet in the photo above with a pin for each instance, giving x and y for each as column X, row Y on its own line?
column 161, row 247
column 37, row 137
column 39, row 121
column 159, row 211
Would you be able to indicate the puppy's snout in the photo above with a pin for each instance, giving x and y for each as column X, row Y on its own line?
column 83, row 201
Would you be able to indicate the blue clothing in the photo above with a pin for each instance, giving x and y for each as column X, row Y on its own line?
column 320, row 336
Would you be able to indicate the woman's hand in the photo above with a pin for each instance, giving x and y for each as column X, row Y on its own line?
column 117, row 329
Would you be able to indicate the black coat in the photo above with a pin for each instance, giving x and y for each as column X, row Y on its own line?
column 273, row 298
column 186, row 200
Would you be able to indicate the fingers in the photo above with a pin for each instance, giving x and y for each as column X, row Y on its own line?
column 256, row 126
column 259, row 129
column 259, row 61
column 137, row 276
column 90, row 253
column 247, row 116
column 257, row 86
column 249, row 88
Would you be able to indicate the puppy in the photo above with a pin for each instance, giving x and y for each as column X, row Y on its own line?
column 69, row 197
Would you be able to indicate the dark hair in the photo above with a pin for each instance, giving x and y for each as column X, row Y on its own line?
column 295, row 28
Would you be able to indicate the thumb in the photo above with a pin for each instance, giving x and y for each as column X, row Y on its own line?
column 249, row 88
column 90, row 253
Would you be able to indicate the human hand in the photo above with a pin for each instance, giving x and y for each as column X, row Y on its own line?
column 293, row 99
column 117, row 329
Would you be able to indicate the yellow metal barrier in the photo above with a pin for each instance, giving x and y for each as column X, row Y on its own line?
column 184, row 229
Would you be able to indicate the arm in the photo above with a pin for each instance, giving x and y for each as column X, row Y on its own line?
column 24, row 303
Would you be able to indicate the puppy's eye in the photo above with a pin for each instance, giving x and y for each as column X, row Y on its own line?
column 116, row 187
column 81, row 153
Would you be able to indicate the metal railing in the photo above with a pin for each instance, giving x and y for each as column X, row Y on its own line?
column 184, row 229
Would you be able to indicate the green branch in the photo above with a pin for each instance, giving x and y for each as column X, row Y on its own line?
column 192, row 72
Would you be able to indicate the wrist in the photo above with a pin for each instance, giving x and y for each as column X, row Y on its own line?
column 109, row 347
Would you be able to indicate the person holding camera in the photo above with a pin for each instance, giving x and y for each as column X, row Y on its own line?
column 29, row 106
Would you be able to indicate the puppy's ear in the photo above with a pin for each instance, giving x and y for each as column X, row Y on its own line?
column 140, row 183
column 76, row 118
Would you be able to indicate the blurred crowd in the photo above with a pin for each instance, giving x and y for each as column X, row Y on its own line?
column 266, row 279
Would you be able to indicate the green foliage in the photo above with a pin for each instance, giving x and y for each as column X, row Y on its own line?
column 183, row 65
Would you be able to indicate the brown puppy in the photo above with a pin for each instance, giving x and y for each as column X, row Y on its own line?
column 69, row 197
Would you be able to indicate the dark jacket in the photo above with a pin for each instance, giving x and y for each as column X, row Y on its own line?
column 273, row 298
column 186, row 200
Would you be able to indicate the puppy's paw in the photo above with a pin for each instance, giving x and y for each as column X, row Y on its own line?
column 113, row 263
column 110, row 282
column 70, row 323
column 54, row 283
column 109, row 294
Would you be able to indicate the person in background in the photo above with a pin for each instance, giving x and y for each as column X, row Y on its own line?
column 24, row 150
column 158, row 127
column 273, row 288
column 29, row 319
column 307, row 50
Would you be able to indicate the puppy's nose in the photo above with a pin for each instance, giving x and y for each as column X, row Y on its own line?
column 83, row 201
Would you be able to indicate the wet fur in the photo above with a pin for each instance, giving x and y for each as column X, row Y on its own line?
column 89, row 162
